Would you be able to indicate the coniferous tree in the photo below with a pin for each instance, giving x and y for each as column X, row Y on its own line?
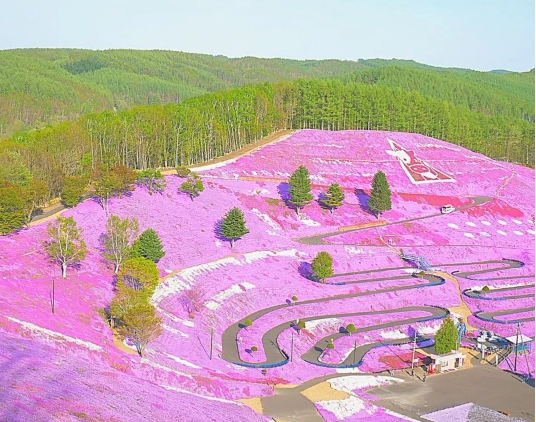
column 65, row 245
column 322, row 266
column 233, row 226
column 446, row 338
column 149, row 246
column 380, row 195
column 300, row 188
column 333, row 198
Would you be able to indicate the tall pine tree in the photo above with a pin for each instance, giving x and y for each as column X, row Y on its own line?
column 333, row 197
column 300, row 188
column 149, row 246
column 380, row 195
column 233, row 226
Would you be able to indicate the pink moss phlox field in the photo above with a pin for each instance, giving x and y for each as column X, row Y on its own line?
column 267, row 267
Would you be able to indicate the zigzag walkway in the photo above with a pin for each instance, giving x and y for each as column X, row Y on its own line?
column 275, row 356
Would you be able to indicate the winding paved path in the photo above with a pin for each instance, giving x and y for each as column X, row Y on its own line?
column 319, row 238
column 477, row 294
column 276, row 357
column 490, row 316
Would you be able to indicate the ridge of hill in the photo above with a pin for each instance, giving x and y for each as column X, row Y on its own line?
column 43, row 86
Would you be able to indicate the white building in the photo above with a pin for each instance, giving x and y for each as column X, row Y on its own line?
column 446, row 362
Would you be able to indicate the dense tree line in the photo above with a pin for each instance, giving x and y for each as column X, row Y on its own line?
column 42, row 86
column 209, row 126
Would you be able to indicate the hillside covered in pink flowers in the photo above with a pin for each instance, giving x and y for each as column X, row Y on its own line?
column 66, row 367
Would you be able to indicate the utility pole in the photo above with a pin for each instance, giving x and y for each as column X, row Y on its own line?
column 292, row 345
column 355, row 347
column 515, row 350
column 53, row 294
column 211, row 341
column 413, row 354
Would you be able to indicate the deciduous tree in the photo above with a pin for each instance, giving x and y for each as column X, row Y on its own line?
column 65, row 244
column 118, row 239
column 141, row 325
column 73, row 189
column 152, row 180
column 139, row 274
column 193, row 186
column 446, row 338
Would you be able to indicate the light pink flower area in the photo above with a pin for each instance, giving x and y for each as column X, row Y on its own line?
column 266, row 268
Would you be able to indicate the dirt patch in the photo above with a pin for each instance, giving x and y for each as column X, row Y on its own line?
column 254, row 403
column 324, row 391
column 462, row 308
column 362, row 225
column 272, row 137
column 118, row 342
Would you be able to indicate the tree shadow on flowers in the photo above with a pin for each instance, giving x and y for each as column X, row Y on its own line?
column 363, row 199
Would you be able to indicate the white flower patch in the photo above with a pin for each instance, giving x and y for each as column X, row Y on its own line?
column 502, row 222
column 180, row 390
column 486, row 223
column 254, row 256
column 426, row 330
column 343, row 409
column 502, row 233
column 517, row 232
column 311, row 325
column 217, row 300
column 502, row 286
column 54, row 335
column 469, row 235
column 182, row 280
column 485, row 234
column 352, row 250
column 266, row 218
column 529, row 231
column 307, row 221
column 452, row 226
column 259, row 192
column 393, row 335
column 174, row 331
column 333, row 146
column 470, row 224
column 517, row 222
column 181, row 361
column 164, row 368
column 349, row 384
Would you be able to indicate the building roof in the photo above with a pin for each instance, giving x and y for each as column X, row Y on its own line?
column 445, row 356
column 521, row 338
column 469, row 412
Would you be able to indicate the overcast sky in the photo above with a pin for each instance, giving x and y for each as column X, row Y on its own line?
column 476, row 34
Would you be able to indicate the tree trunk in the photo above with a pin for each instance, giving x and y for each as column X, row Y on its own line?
column 64, row 269
column 232, row 243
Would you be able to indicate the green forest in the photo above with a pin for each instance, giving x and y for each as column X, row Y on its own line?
column 202, row 128
column 99, row 138
column 47, row 86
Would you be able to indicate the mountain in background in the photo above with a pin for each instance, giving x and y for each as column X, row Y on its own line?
column 44, row 86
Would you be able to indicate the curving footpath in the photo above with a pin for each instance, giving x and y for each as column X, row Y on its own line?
column 319, row 238
column 490, row 316
column 480, row 295
column 275, row 356
column 355, row 359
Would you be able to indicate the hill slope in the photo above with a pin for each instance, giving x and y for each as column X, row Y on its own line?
column 40, row 86
column 264, row 270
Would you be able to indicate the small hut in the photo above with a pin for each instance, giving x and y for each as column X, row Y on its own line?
column 520, row 343
column 445, row 362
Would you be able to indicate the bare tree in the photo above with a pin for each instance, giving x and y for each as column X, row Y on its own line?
column 192, row 299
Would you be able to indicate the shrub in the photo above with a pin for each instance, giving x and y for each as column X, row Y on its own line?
column 350, row 328
column 183, row 171
column 485, row 289
column 248, row 323
column 254, row 348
